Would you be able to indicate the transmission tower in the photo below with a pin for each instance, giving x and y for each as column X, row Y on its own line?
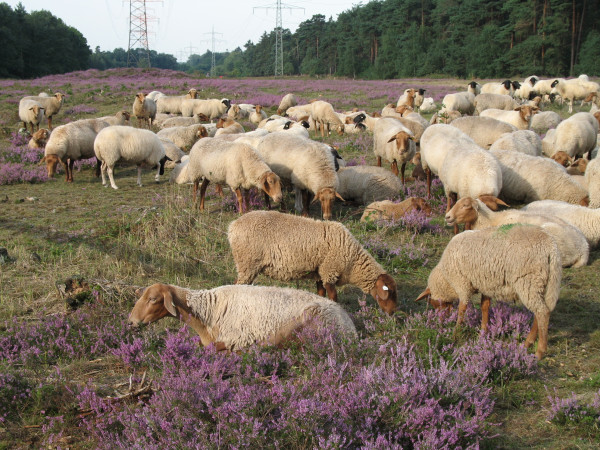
column 138, row 33
column 278, row 32
column 213, row 41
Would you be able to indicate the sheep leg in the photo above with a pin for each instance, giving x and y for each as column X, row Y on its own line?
column 531, row 337
column 50, row 123
column 395, row 170
column 111, row 177
column 103, row 173
column 462, row 308
column 70, row 163
column 98, row 166
column 321, row 289
column 219, row 190
column 428, row 172
column 246, row 199
column 203, row 192
column 379, row 161
column 195, row 190
column 267, row 200
column 139, row 179
column 240, row 200
column 402, row 172
column 305, row 203
column 542, row 320
column 331, row 292
column 485, row 312
column 157, row 176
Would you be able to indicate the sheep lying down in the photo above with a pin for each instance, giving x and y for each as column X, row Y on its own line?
column 234, row 317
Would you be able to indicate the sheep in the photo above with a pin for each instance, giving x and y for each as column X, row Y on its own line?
column 388, row 210
column 211, row 108
column 226, row 125
column 464, row 168
column 184, row 121
column 257, row 115
column 366, row 184
column 120, row 118
column 172, row 103
column 160, row 118
column 524, row 141
column 528, row 178
column 419, row 98
column 474, row 88
column 286, row 102
column 394, row 142
column 50, row 104
column 592, row 180
column 576, row 136
column 132, row 145
column 300, row 112
column 562, row 158
column 544, row 120
column 587, row 220
column 72, row 142
column 444, row 117
column 476, row 214
column 520, row 117
column 494, row 101
column 235, row 317
column 415, row 123
column 309, row 165
column 39, row 138
column 483, row 130
column 180, row 174
column 31, row 113
column 286, row 247
column 526, row 90
column 184, row 137
column 234, row 163
column 154, row 95
column 573, row 89
column 324, row 116
column 513, row 262
column 428, row 106
column 144, row 109
column 407, row 98
column 464, row 102
column 504, row 88
column 172, row 152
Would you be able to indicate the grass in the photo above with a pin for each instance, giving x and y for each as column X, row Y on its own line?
column 137, row 236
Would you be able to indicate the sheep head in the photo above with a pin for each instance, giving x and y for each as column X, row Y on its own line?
column 156, row 302
column 436, row 303
column 258, row 109
column 125, row 114
column 201, row 133
column 402, row 139
column 580, row 164
column 492, row 202
column 385, row 293
column 403, row 109
column 271, row 184
column 466, row 210
column 516, row 85
column 506, row 84
column 51, row 162
column 221, row 122
column 597, row 116
column 227, row 103
column 60, row 96
column 527, row 112
column 562, row 158
column 193, row 93
column 326, row 196
column 41, row 136
column 420, row 204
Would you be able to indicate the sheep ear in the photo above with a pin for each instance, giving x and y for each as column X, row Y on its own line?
column 168, row 301
column 139, row 291
column 339, row 196
column 42, row 161
column 392, row 139
column 424, row 294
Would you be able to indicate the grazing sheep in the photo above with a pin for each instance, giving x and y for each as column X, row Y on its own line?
column 184, row 137
column 235, row 317
column 211, row 108
column 257, row 115
column 494, row 101
column 516, row 262
column 171, row 104
column 504, row 88
column 233, row 163
column 388, row 210
column 474, row 88
column 428, row 106
column 51, row 104
column 528, row 178
column 520, row 117
column 483, row 130
column 184, row 121
column 131, row 145
column 394, row 142
column 366, row 184
column 286, row 247
column 300, row 112
column 144, row 109
column 524, row 141
column 592, row 180
column 120, row 118
column 477, row 215
column 226, row 125
column 545, row 120
column 173, row 152
column 324, row 116
column 31, row 113
column 180, row 174
column 407, row 98
column 576, row 136
column 464, row 102
column 575, row 89
column 286, row 102
column 39, row 138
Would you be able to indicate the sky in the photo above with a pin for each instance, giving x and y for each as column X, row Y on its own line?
column 183, row 27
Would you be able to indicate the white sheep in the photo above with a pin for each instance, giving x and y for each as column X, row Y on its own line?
column 184, row 137
column 286, row 102
column 257, row 115
column 172, row 103
column 325, row 117
column 31, row 113
column 144, row 109
column 575, row 136
column 179, row 174
column 592, row 180
column 389, row 210
column 545, row 120
column 300, row 112
column 428, row 106
column 120, row 118
column 131, row 145
column 520, row 117
column 211, row 108
column 183, row 121
column 528, row 178
column 233, row 163
column 366, row 184
column 172, row 152
column 483, row 130
column 154, row 95
column 235, row 317
column 286, row 247
column 503, row 88
column 494, row 101
column 394, row 142
column 575, row 89
column 513, row 263
column 524, row 141
column 464, row 102
column 226, row 125
column 50, row 104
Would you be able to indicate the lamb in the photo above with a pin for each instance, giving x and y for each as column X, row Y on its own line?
column 464, row 102
column 504, row 88
column 286, row 247
column 234, row 163
column 144, row 109
column 51, row 105
column 483, row 130
column 324, row 116
column 528, row 178
column 524, row 141
column 544, row 120
column 184, row 137
column 184, row 121
column 235, row 317
column 132, row 145
column 225, row 125
column 388, row 210
column 72, row 142
column 258, row 115
column 39, row 138
column 592, row 180
column 576, row 136
column 394, row 142
column 120, row 118
column 474, row 88
column 211, row 108
column 407, row 98
column 31, row 113
column 286, row 102
column 366, row 184
column 575, row 89
column 172, row 103
column 520, row 117
column 494, row 101
column 514, row 262
column 587, row 220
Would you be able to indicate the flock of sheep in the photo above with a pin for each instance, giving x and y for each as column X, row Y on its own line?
column 484, row 144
